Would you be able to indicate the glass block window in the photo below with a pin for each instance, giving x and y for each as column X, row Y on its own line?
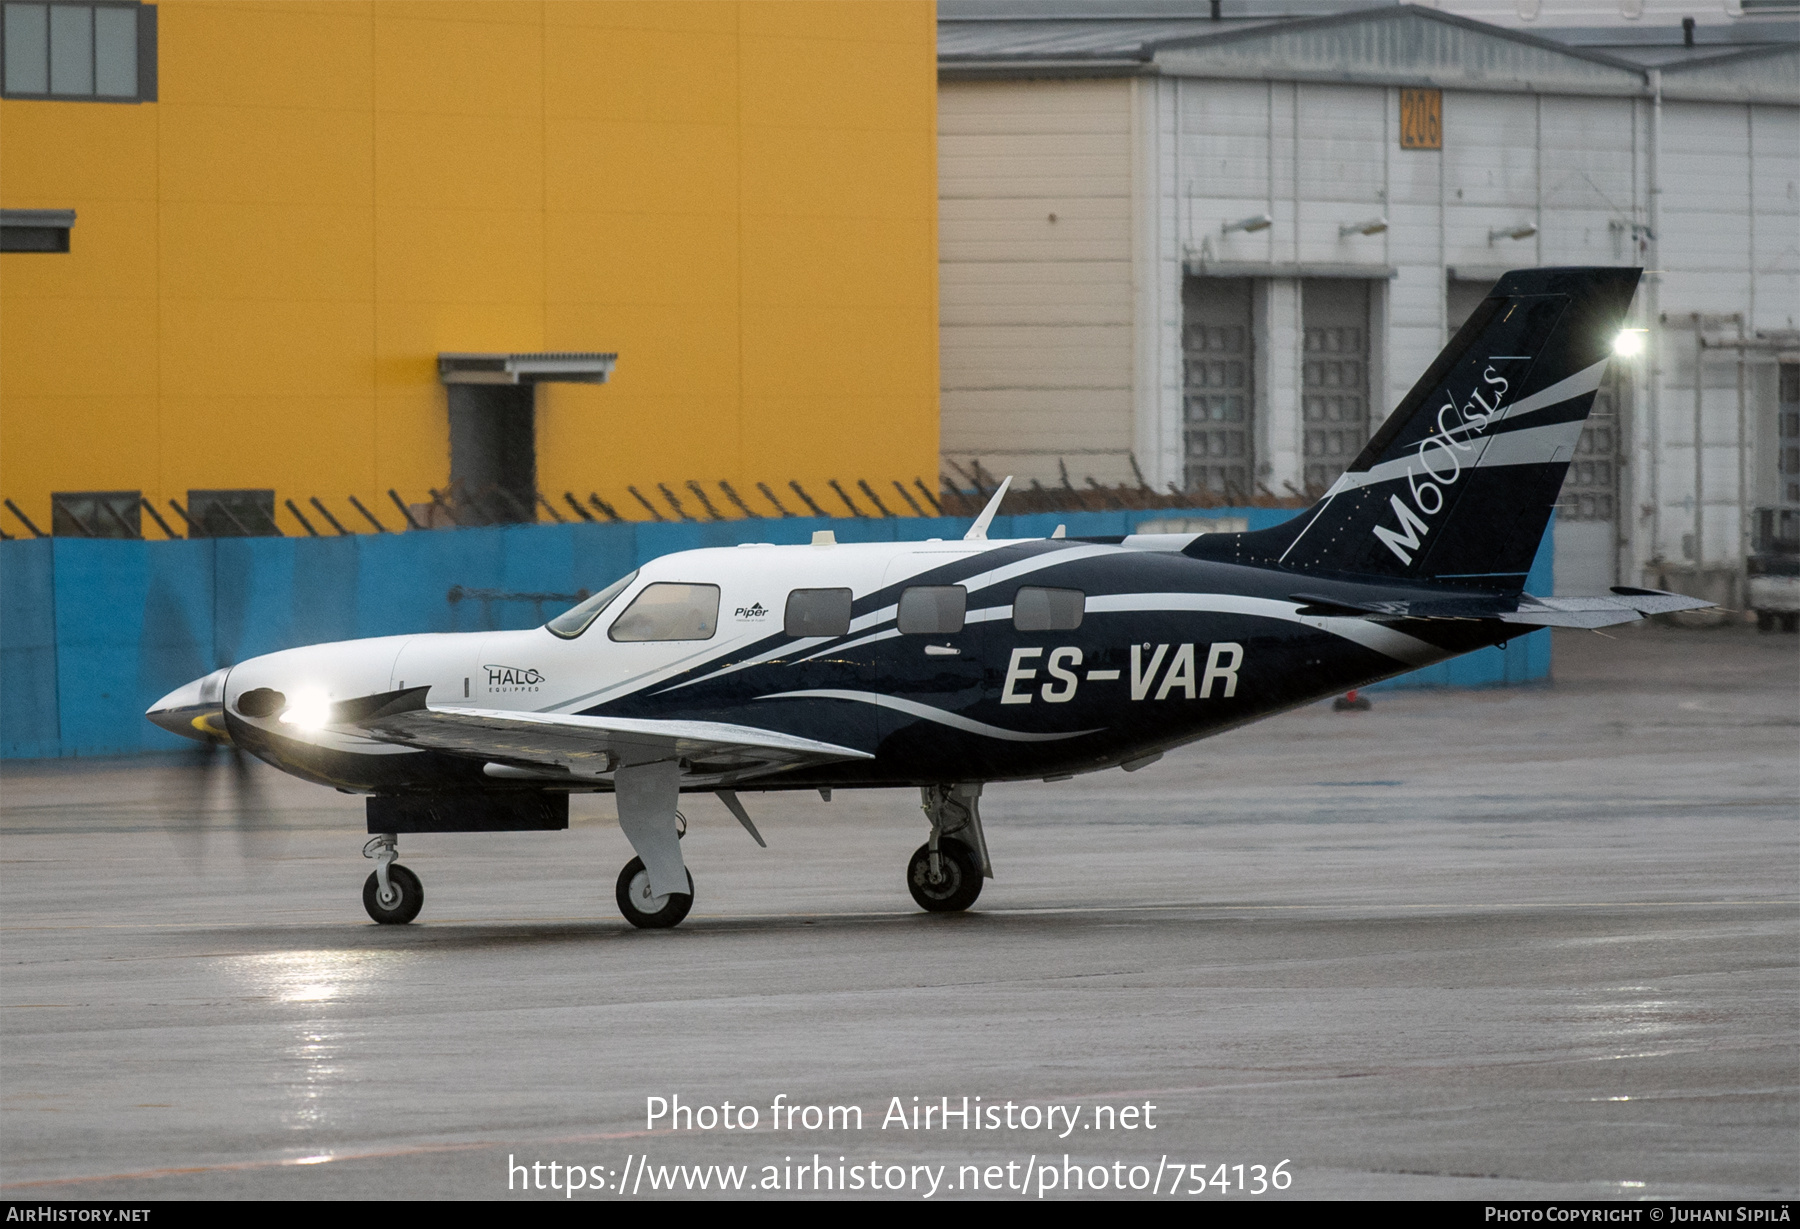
column 1334, row 378
column 1218, row 392
column 79, row 52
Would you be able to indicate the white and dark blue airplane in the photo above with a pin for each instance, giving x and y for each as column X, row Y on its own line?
column 945, row 665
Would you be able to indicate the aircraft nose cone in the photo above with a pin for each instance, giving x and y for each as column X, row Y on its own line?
column 194, row 710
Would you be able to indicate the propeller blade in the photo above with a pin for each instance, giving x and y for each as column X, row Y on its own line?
column 259, row 835
column 184, row 798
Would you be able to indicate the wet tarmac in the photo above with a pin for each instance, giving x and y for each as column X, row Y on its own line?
column 1529, row 943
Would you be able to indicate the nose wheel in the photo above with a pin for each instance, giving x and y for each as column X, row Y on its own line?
column 392, row 894
column 641, row 905
column 947, row 881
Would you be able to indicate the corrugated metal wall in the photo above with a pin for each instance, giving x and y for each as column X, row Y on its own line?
column 1035, row 249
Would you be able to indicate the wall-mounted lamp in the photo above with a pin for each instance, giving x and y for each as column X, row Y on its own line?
column 1374, row 226
column 1249, row 226
column 1523, row 230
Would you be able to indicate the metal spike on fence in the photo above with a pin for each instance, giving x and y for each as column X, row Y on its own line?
column 964, row 476
column 873, row 497
column 305, row 524
column 605, row 509
column 910, row 501
column 953, row 501
column 648, row 506
column 805, row 498
column 405, row 512
column 854, row 510
column 1138, row 473
column 193, row 529
column 329, row 519
column 554, row 514
column 673, row 502
column 700, row 494
column 770, row 496
column 580, row 511
column 157, row 517
column 990, row 483
column 358, row 505
column 931, row 501
column 733, row 497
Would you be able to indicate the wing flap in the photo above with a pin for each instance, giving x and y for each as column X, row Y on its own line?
column 583, row 746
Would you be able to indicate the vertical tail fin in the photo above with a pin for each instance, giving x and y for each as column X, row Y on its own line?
column 1458, row 485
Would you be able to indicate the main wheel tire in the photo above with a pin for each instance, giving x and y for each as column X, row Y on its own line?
column 642, row 907
column 401, row 911
column 960, row 877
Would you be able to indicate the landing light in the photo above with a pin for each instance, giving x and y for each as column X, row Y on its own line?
column 311, row 709
column 1629, row 343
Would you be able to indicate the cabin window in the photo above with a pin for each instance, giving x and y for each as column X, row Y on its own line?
column 933, row 610
column 817, row 612
column 576, row 619
column 670, row 612
column 1048, row 610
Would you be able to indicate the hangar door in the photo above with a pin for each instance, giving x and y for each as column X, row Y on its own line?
column 1218, row 393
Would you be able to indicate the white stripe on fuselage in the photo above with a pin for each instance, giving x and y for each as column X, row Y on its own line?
column 913, row 708
column 1409, row 650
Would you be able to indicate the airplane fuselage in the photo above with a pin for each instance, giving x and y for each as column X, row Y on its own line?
column 1154, row 649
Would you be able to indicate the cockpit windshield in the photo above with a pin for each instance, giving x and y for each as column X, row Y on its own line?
column 576, row 619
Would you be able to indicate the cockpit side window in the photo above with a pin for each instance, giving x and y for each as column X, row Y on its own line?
column 576, row 619
column 669, row 611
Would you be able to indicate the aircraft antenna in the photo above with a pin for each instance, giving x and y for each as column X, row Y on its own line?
column 978, row 531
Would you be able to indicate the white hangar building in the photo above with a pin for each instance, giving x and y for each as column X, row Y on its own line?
column 1217, row 240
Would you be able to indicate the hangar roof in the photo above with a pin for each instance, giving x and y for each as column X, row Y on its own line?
column 1360, row 41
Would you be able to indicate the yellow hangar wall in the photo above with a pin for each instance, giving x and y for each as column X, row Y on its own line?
column 738, row 198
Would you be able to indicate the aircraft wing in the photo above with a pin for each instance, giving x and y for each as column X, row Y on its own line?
column 560, row 744
column 1624, row 606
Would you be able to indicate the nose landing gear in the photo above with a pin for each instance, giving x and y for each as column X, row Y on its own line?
column 945, row 881
column 945, row 873
column 392, row 894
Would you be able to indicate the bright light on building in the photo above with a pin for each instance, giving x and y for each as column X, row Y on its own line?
column 1629, row 343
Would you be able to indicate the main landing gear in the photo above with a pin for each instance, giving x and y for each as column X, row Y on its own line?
column 392, row 894
column 945, row 873
column 641, row 905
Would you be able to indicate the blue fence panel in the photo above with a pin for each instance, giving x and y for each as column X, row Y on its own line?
column 28, row 710
column 93, row 632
